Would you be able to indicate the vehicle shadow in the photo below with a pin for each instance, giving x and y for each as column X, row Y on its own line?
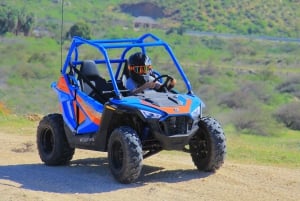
column 91, row 175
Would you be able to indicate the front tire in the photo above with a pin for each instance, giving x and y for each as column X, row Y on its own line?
column 52, row 143
column 208, row 146
column 125, row 155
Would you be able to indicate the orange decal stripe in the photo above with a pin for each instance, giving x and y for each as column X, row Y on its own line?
column 81, row 114
column 92, row 114
column 62, row 84
column 81, row 117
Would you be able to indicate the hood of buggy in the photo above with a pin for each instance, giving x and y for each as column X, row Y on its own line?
column 167, row 103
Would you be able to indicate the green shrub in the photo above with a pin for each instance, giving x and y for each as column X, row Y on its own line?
column 81, row 29
column 213, row 43
column 37, row 57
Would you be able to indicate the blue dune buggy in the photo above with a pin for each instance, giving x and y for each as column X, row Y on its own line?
column 98, row 113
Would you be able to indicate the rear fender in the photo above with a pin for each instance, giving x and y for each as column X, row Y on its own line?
column 66, row 100
column 81, row 113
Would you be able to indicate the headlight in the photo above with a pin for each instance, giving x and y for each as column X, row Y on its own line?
column 196, row 113
column 148, row 114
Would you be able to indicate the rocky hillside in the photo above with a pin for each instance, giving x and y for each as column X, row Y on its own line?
column 267, row 17
column 279, row 18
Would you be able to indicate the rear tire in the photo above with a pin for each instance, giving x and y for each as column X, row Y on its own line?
column 208, row 146
column 52, row 143
column 125, row 155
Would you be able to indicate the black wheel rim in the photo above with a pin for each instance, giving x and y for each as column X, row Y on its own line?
column 47, row 141
column 117, row 155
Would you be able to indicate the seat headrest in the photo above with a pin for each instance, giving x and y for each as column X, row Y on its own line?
column 89, row 68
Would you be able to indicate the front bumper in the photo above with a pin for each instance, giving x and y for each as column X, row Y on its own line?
column 172, row 138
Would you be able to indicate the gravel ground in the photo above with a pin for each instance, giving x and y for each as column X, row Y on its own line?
column 165, row 176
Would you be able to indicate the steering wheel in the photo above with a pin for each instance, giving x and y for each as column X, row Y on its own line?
column 163, row 87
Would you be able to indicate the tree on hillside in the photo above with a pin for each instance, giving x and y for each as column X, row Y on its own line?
column 8, row 18
column 24, row 22
column 80, row 29
column 16, row 21
column 26, row 26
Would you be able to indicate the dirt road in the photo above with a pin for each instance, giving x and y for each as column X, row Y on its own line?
column 166, row 176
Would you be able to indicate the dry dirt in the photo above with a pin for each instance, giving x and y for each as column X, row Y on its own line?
column 166, row 176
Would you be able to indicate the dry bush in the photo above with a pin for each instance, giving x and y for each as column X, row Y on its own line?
column 209, row 70
column 248, row 95
column 292, row 86
column 235, row 99
column 252, row 121
column 289, row 114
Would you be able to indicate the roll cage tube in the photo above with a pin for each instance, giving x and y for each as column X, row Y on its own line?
column 126, row 44
column 77, row 41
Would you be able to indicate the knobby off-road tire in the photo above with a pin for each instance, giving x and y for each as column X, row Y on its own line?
column 125, row 155
column 208, row 146
column 52, row 143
